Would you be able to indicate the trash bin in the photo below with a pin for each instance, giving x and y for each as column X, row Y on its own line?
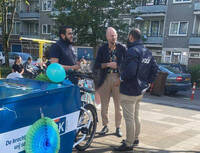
column 21, row 103
column 159, row 84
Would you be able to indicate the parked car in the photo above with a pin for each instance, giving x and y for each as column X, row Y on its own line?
column 180, row 67
column 177, row 80
column 12, row 56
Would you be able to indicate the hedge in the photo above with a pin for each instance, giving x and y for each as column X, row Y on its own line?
column 195, row 74
column 4, row 71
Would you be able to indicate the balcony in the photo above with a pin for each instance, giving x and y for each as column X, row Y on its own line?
column 194, row 40
column 30, row 34
column 152, row 10
column 29, row 15
column 197, row 8
column 154, row 40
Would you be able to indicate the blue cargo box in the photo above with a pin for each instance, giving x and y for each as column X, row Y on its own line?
column 20, row 103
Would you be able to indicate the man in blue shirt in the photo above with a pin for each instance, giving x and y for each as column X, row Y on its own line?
column 131, row 92
column 62, row 51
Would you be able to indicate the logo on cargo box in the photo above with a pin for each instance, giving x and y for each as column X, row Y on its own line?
column 61, row 122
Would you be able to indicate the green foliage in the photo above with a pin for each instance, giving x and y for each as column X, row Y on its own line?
column 42, row 77
column 4, row 71
column 195, row 74
column 7, row 19
column 90, row 18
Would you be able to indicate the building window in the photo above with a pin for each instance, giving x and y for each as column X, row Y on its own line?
column 16, row 28
column 145, row 28
column 154, row 28
column 160, row 2
column 46, row 29
column 194, row 55
column 47, row 5
column 178, row 28
column 149, row 2
column 181, row 1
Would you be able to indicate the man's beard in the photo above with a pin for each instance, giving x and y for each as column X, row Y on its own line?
column 68, row 41
column 113, row 42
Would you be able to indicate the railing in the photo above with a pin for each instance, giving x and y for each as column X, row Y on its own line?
column 150, row 9
column 154, row 39
column 194, row 39
column 195, row 35
column 30, row 35
column 156, row 2
column 29, row 15
column 153, row 35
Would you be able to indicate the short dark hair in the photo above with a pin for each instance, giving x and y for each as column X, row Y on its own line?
column 62, row 29
column 29, row 58
column 135, row 33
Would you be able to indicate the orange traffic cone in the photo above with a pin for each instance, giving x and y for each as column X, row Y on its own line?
column 193, row 91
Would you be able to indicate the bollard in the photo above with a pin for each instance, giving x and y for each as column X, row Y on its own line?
column 151, row 87
column 193, row 91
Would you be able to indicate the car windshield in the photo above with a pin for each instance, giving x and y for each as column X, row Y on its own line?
column 173, row 69
column 24, row 56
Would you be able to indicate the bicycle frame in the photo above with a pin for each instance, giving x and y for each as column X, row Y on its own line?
column 85, row 125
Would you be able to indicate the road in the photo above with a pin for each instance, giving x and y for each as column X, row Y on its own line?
column 169, row 124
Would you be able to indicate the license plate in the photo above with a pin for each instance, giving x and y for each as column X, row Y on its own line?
column 187, row 79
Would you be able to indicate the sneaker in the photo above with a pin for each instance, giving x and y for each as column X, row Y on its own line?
column 98, row 106
column 123, row 147
column 104, row 130
column 136, row 143
column 118, row 132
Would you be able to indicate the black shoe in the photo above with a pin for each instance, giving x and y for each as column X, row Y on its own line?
column 123, row 147
column 104, row 130
column 136, row 143
column 118, row 132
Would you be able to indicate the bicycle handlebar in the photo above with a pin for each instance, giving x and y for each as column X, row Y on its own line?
column 82, row 75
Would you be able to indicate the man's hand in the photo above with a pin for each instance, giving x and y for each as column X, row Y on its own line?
column 104, row 65
column 75, row 67
column 117, row 82
column 112, row 65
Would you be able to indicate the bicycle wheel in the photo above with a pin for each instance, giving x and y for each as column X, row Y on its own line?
column 89, row 132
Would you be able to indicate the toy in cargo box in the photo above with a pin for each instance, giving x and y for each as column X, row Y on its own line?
column 43, row 137
column 56, row 73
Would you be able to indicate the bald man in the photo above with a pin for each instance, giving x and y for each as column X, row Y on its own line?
column 108, row 60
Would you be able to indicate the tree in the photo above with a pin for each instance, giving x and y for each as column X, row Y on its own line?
column 90, row 18
column 7, row 15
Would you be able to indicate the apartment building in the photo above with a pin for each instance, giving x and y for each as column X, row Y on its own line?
column 172, row 29
column 32, row 21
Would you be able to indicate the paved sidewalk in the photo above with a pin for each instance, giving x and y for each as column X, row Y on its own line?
column 164, row 129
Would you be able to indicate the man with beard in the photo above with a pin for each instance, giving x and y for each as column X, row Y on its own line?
column 108, row 61
column 62, row 52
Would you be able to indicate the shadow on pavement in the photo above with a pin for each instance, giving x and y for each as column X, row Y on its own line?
column 109, row 149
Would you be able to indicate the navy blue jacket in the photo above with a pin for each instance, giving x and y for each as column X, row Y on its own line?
column 129, row 85
column 103, row 57
column 64, row 52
